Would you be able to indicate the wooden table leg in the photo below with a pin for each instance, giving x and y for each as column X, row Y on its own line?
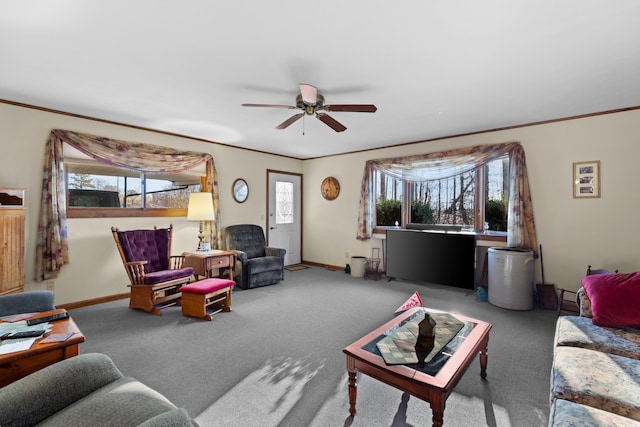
column 437, row 408
column 483, row 358
column 70, row 351
column 353, row 386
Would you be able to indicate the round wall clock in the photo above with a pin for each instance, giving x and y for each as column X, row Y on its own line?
column 330, row 188
column 240, row 190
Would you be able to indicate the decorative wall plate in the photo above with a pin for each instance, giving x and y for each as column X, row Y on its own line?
column 330, row 188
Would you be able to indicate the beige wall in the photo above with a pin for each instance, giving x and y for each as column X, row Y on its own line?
column 95, row 269
column 573, row 233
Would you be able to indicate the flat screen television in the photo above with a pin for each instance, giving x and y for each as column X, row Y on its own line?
column 446, row 258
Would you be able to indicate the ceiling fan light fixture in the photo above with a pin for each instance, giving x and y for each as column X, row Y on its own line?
column 309, row 94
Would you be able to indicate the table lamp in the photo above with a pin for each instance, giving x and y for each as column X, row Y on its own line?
column 200, row 209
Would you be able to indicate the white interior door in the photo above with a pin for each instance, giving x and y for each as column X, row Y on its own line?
column 284, row 219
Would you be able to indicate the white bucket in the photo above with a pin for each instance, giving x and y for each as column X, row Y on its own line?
column 358, row 264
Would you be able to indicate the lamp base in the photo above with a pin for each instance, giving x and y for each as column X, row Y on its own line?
column 201, row 236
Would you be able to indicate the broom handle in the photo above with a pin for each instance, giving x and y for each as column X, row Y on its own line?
column 541, row 265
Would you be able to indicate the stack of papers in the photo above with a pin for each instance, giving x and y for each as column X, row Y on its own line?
column 11, row 346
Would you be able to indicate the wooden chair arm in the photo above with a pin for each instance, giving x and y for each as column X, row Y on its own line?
column 135, row 270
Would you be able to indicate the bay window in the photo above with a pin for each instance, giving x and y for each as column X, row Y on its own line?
column 475, row 188
column 468, row 199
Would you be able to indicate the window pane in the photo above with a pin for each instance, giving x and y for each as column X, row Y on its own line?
column 454, row 200
column 497, row 192
column 88, row 190
column 284, row 202
column 444, row 201
column 93, row 198
column 121, row 188
column 389, row 192
column 131, row 191
column 161, row 193
column 422, row 204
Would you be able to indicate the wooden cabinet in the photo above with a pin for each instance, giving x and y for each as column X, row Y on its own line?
column 11, row 240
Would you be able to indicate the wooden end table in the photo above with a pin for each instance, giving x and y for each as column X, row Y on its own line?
column 204, row 262
column 432, row 382
column 14, row 366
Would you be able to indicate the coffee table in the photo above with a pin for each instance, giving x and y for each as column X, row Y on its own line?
column 433, row 381
column 14, row 366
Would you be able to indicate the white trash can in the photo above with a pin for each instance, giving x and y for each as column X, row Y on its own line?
column 358, row 265
column 511, row 277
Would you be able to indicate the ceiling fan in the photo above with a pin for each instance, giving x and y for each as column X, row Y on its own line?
column 311, row 102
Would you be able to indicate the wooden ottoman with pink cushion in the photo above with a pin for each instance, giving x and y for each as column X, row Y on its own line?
column 199, row 296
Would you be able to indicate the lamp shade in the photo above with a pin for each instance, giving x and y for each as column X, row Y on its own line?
column 200, row 207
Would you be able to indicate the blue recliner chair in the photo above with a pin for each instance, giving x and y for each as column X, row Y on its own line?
column 256, row 264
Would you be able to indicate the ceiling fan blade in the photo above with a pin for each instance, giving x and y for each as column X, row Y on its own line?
column 331, row 122
column 309, row 94
column 289, row 121
column 355, row 108
column 291, row 107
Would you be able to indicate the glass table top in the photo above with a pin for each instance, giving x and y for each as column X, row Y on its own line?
column 438, row 361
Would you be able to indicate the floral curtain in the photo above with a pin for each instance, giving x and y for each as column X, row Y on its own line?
column 521, row 231
column 52, row 247
column 52, row 251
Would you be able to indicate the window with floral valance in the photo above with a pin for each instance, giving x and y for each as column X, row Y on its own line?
column 520, row 223
column 52, row 245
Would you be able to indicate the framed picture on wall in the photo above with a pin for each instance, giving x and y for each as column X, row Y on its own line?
column 586, row 179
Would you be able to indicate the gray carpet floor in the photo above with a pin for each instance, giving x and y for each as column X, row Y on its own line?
column 276, row 359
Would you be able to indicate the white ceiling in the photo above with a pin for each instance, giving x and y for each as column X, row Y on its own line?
column 433, row 68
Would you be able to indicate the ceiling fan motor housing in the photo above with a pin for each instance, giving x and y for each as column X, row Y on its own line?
column 308, row 108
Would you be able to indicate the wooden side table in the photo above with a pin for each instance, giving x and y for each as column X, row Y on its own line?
column 204, row 262
column 14, row 366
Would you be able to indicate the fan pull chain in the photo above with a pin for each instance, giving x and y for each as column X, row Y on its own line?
column 303, row 125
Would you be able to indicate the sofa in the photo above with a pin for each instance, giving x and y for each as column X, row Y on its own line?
column 26, row 302
column 595, row 377
column 256, row 263
column 86, row 390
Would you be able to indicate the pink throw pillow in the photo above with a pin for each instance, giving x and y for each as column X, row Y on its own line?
column 615, row 299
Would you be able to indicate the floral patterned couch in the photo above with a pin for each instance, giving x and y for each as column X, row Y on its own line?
column 595, row 378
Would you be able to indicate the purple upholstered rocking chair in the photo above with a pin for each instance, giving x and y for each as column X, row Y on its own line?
column 155, row 275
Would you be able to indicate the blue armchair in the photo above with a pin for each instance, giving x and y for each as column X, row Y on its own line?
column 256, row 263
